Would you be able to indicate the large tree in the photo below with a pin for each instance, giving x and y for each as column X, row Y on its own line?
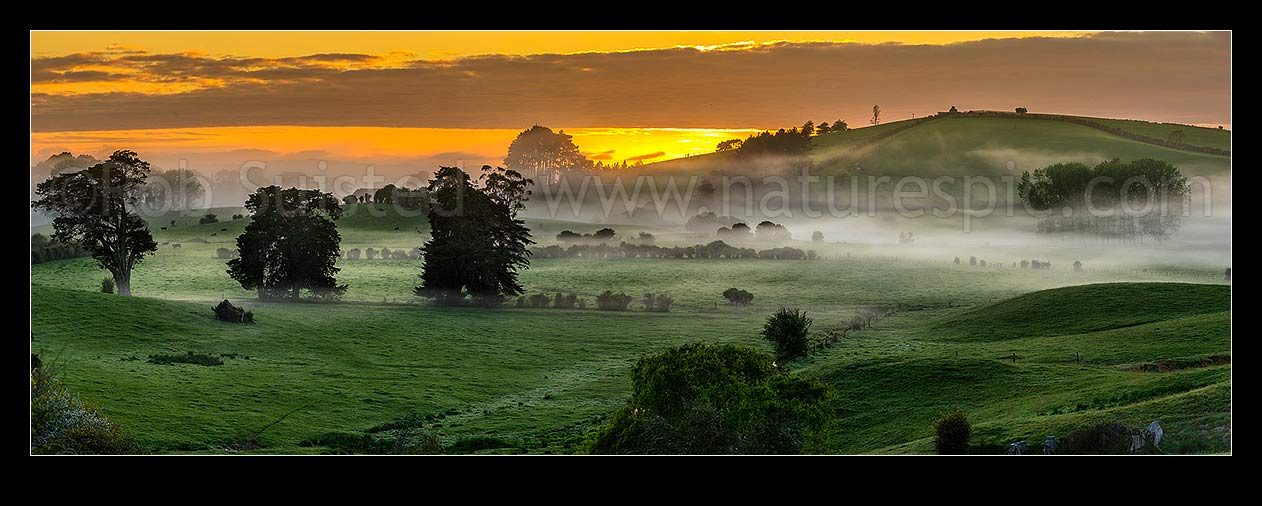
column 476, row 243
column 544, row 154
column 91, row 209
column 290, row 244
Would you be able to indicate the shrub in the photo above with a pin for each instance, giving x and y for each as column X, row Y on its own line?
column 353, row 254
column 225, row 254
column 537, row 300
column 610, row 301
column 951, row 433
column 385, row 253
column 61, row 423
column 1105, row 438
column 562, row 301
column 208, row 219
column 227, row 312
column 738, row 297
column 370, row 253
column 786, row 330
column 582, row 304
column 663, row 303
column 716, row 399
column 107, row 285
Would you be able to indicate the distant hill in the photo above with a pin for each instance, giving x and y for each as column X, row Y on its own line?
column 993, row 144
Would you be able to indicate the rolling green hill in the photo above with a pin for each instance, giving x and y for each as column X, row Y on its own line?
column 917, row 366
column 977, row 145
column 1085, row 308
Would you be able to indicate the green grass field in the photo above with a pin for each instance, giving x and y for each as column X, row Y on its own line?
column 1193, row 135
column 1144, row 334
column 539, row 380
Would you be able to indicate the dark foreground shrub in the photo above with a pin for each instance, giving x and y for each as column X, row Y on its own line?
column 227, row 312
column 1105, row 438
column 951, row 433
column 738, row 297
column 610, row 301
column 63, row 424
column 716, row 399
column 107, row 285
column 787, row 331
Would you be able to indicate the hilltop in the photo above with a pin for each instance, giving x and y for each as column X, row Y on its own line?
column 993, row 144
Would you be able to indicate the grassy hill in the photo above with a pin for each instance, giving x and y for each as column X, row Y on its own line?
column 1085, row 308
column 974, row 145
column 894, row 380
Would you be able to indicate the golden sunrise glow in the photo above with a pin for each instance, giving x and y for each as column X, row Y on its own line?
column 379, row 144
column 404, row 96
column 457, row 44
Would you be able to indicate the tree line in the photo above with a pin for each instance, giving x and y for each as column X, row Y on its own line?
column 712, row 250
column 1155, row 187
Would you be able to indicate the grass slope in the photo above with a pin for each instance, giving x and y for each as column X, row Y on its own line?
column 1085, row 308
column 894, row 380
column 514, row 374
column 978, row 146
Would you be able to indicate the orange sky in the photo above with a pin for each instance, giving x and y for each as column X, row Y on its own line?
column 360, row 96
column 454, row 44
column 379, row 144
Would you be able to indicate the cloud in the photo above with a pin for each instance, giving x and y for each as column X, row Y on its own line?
column 600, row 155
column 650, row 156
column 1165, row 76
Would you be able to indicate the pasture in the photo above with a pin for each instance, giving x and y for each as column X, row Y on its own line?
column 335, row 377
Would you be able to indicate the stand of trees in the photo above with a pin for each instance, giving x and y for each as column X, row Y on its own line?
column 290, row 244
column 715, row 249
column 173, row 189
column 92, row 208
column 477, row 244
column 545, row 155
column 1099, row 198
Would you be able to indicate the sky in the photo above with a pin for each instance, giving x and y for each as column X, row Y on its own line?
column 417, row 99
